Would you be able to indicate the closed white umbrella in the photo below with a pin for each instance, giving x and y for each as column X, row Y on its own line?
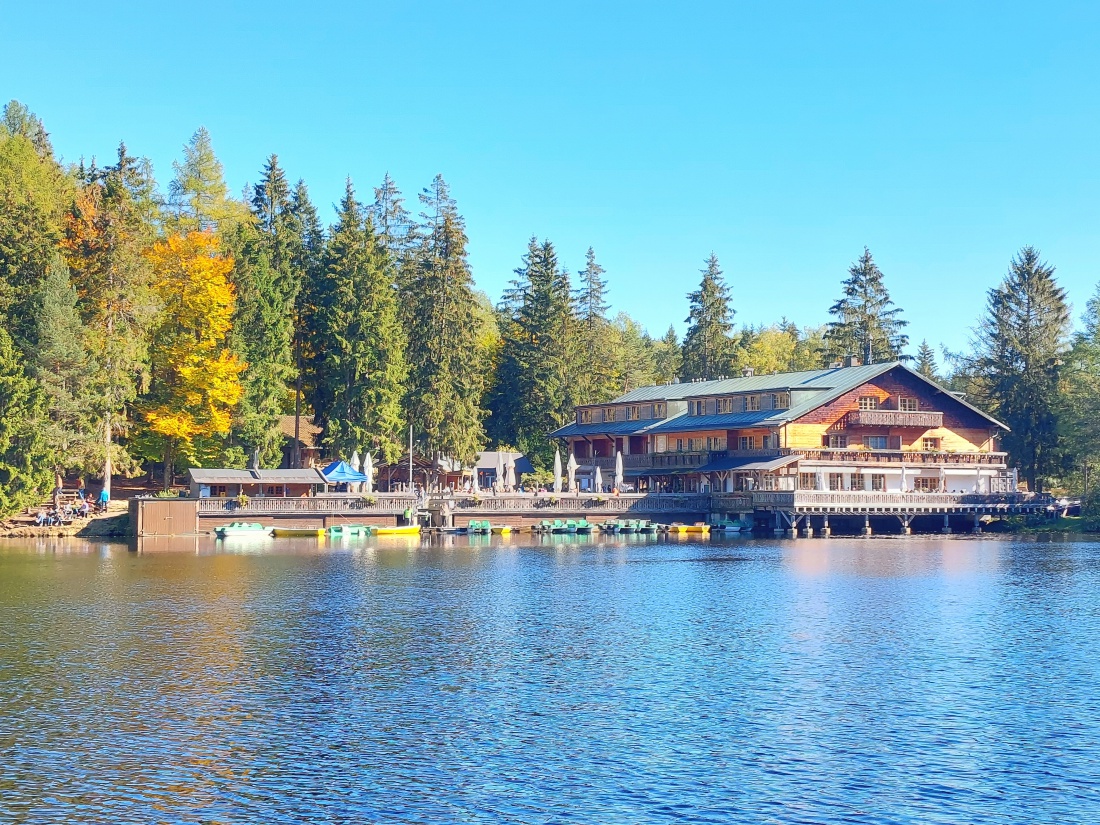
column 500, row 471
column 510, row 474
column 473, row 484
column 557, row 470
column 597, row 481
column 618, row 470
column 572, row 470
column 368, row 471
column 353, row 462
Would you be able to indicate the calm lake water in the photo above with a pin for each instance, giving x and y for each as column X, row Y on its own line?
column 583, row 680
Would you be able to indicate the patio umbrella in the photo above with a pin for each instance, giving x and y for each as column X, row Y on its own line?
column 354, row 462
column 473, row 485
column 618, row 470
column 500, row 471
column 368, row 471
column 510, row 474
column 572, row 470
column 557, row 470
column 597, row 481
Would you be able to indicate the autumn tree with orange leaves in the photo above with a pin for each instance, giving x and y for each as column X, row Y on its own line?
column 195, row 379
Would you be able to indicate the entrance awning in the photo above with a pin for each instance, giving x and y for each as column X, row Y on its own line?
column 725, row 465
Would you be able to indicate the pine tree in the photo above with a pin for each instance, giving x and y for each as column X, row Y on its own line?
column 708, row 349
column 393, row 223
column 447, row 379
column 198, row 197
column 926, row 361
column 867, row 324
column 62, row 369
column 1018, row 352
column 24, row 459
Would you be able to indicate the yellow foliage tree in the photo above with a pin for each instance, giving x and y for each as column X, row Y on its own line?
column 195, row 379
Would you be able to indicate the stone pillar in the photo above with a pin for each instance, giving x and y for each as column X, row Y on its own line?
column 825, row 531
column 946, row 523
column 778, row 531
column 866, row 525
column 977, row 522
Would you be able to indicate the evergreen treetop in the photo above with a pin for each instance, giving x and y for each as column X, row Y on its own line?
column 867, row 324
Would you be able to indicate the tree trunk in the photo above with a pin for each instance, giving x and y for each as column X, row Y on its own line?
column 107, row 455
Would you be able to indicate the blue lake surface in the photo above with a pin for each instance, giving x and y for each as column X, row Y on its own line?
column 578, row 680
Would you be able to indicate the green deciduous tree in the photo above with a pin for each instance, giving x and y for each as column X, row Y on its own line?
column 1018, row 353
column 867, row 324
column 709, row 349
column 667, row 357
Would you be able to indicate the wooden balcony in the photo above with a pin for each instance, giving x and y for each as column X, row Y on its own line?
column 858, row 501
column 652, row 461
column 857, row 455
column 923, row 420
column 588, row 504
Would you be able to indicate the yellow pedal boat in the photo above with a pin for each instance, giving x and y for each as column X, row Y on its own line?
column 289, row 532
column 403, row 530
column 690, row 529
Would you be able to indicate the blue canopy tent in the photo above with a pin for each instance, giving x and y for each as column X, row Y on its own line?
column 340, row 472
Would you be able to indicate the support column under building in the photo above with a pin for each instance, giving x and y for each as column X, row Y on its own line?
column 946, row 523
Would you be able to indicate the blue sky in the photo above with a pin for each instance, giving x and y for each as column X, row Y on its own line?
column 782, row 136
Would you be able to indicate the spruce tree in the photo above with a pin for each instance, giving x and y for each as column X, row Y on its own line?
column 1017, row 362
column 926, row 361
column 599, row 344
column 447, row 378
column 24, row 458
column 393, row 223
column 867, row 324
column 537, row 386
column 708, row 349
column 362, row 366
column 107, row 235
column 62, row 368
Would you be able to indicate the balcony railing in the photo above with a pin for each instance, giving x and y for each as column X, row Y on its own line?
column 895, row 501
column 860, row 456
column 895, row 418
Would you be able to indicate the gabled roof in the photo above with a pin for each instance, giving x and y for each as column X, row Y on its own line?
column 830, row 385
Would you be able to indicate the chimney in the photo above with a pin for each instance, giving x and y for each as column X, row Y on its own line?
column 852, row 361
column 746, row 372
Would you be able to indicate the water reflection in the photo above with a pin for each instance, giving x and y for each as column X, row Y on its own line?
column 530, row 679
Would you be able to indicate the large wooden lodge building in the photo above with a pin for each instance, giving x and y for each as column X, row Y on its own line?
column 878, row 428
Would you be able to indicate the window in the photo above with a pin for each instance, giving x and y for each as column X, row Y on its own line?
column 836, row 481
column 878, row 482
column 716, row 443
column 609, row 414
column 659, row 410
column 858, row 482
column 632, row 413
column 876, row 442
column 679, row 445
column 930, row 444
column 838, row 442
column 747, row 442
column 909, row 404
column 696, row 445
column 926, row 485
column 585, row 417
column 723, row 405
column 765, row 442
column 781, row 400
column 752, row 403
column 807, row 481
column 868, row 402
column 662, row 443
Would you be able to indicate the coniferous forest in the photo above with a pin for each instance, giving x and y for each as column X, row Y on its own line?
column 147, row 326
